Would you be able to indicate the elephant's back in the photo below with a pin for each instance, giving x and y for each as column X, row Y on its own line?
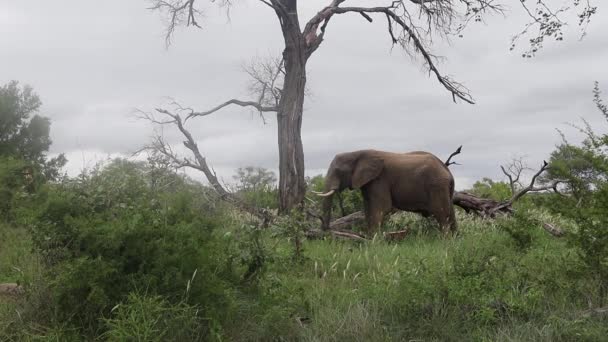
column 416, row 161
column 418, row 171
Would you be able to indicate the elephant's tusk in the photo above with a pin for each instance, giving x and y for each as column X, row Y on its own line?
column 320, row 194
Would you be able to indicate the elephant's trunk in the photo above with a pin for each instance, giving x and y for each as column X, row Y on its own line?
column 327, row 206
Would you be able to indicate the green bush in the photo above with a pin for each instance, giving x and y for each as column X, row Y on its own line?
column 256, row 186
column 521, row 227
column 487, row 188
column 18, row 182
column 591, row 242
column 107, row 235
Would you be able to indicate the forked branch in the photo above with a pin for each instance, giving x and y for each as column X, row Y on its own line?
column 409, row 35
column 266, row 84
column 449, row 162
column 254, row 104
column 513, row 171
column 197, row 161
column 490, row 208
column 532, row 188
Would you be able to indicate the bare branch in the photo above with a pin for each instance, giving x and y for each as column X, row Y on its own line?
column 439, row 16
column 447, row 162
column 183, row 12
column 531, row 188
column 253, row 104
column 513, row 171
column 490, row 208
column 177, row 12
column 199, row 162
column 266, row 84
column 266, row 80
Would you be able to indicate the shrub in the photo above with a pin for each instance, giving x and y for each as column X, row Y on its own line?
column 109, row 234
column 591, row 241
column 18, row 181
column 521, row 228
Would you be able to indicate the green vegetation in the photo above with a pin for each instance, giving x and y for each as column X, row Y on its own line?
column 134, row 251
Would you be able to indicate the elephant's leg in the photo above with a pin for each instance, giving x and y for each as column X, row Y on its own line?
column 378, row 203
column 443, row 212
column 452, row 219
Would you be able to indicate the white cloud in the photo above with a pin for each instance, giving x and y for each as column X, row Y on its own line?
column 93, row 63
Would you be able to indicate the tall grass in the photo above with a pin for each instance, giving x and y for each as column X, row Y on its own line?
column 478, row 286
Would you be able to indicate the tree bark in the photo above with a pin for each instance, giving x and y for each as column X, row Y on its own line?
column 292, row 185
column 484, row 207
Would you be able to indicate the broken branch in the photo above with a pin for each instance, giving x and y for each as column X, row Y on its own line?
column 254, row 104
column 458, row 150
column 199, row 163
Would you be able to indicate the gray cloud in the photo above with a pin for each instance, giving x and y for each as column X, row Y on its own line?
column 93, row 64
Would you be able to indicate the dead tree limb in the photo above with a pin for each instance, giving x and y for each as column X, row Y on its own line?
column 449, row 162
column 319, row 234
column 513, row 171
column 410, row 35
column 483, row 207
column 489, row 208
column 339, row 228
column 198, row 162
column 553, row 230
column 396, row 235
column 11, row 289
column 348, row 221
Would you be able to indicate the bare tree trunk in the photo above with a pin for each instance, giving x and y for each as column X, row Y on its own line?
column 292, row 185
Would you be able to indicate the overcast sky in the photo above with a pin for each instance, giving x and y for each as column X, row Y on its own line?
column 93, row 62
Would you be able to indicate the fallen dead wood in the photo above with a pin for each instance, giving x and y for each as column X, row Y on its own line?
column 596, row 312
column 397, row 235
column 348, row 221
column 319, row 234
column 339, row 228
column 10, row 289
column 488, row 208
column 484, row 207
column 553, row 230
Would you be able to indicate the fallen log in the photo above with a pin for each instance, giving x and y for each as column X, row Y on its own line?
column 347, row 221
column 397, row 235
column 596, row 312
column 484, row 207
column 339, row 228
column 10, row 289
column 319, row 234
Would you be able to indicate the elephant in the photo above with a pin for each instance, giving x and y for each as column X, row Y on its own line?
column 415, row 181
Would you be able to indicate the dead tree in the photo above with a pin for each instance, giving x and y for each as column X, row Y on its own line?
column 197, row 161
column 489, row 208
column 411, row 24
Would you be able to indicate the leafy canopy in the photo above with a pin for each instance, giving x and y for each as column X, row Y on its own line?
column 24, row 133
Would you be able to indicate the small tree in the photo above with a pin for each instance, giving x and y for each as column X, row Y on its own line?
column 24, row 133
column 256, row 186
column 411, row 24
column 583, row 168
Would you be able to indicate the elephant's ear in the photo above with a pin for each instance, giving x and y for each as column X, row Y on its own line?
column 366, row 170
